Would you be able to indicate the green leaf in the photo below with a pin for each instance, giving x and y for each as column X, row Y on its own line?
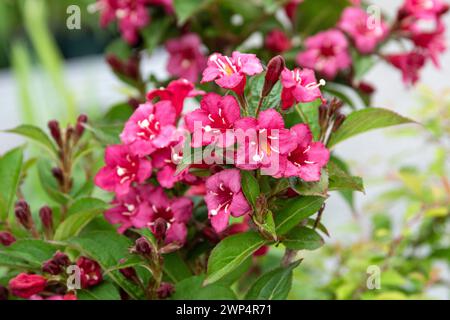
column 108, row 248
column 154, row 32
column 104, row 291
column 175, row 267
column 192, row 289
column 302, row 238
column 295, row 211
column 274, row 285
column 305, row 113
column 82, row 212
column 341, row 180
column 33, row 251
column 365, row 120
column 37, row 135
column 10, row 168
column 185, row 9
column 230, row 253
column 250, row 187
column 254, row 90
column 318, row 188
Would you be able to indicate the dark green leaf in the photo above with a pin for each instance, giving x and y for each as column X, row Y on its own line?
column 192, row 289
column 104, row 291
column 302, row 238
column 340, row 180
column 296, row 210
column 230, row 253
column 319, row 188
column 365, row 120
column 34, row 251
column 185, row 9
column 274, row 285
column 37, row 135
column 250, row 187
column 175, row 267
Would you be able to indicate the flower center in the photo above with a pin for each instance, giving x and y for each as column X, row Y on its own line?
column 150, row 127
column 299, row 157
column 225, row 196
column 225, row 65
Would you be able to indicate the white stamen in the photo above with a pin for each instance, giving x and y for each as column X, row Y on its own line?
column 307, row 149
column 309, row 162
column 121, row 171
column 208, row 128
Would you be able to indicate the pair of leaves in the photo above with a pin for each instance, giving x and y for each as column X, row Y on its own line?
column 27, row 252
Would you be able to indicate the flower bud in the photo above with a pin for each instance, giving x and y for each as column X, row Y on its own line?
column 61, row 259
column 366, row 88
column 91, row 272
column 46, row 215
column 274, row 69
column 142, row 246
column 79, row 128
column 115, row 64
column 23, row 214
column 165, row 290
column 6, row 238
column 55, row 131
column 129, row 273
column 3, row 293
column 338, row 122
column 171, row 247
column 51, row 267
column 25, row 285
column 159, row 228
column 69, row 133
column 323, row 116
column 58, row 174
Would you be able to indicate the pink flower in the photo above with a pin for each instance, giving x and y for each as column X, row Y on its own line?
column 425, row 8
column 25, row 285
column 308, row 158
column 299, row 86
column 185, row 58
column 131, row 209
column 90, row 272
column 133, row 16
column 326, row 52
column 215, row 118
column 224, row 197
column 107, row 11
column 229, row 72
column 267, row 142
column 150, row 127
column 366, row 36
column 277, row 41
column 409, row 64
column 174, row 213
column 166, row 161
column 433, row 43
column 121, row 170
column 67, row 296
column 176, row 92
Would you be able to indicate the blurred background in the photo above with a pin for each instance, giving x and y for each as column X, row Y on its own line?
column 48, row 71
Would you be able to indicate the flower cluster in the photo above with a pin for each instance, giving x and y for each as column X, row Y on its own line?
column 131, row 15
column 156, row 135
column 329, row 51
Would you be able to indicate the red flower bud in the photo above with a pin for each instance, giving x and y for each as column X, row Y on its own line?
column 51, row 267
column 55, row 131
column 142, row 246
column 338, row 122
column 58, row 174
column 115, row 64
column 23, row 214
column 129, row 273
column 274, row 69
column 25, row 285
column 165, row 290
column 61, row 259
column 46, row 215
column 79, row 128
column 6, row 238
column 91, row 272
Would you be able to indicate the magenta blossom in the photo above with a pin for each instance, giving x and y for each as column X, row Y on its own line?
column 299, row 86
column 308, row 158
column 432, row 43
column 291, row 7
column 185, row 58
column 229, row 72
column 277, row 41
column 366, row 35
column 326, row 52
column 215, row 118
column 131, row 209
column 409, row 64
column 224, row 197
column 122, row 169
column 150, row 127
column 263, row 142
column 176, row 92
column 132, row 16
column 166, row 161
column 174, row 213
column 425, row 8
